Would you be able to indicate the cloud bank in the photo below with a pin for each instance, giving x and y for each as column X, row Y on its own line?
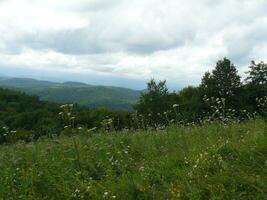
column 177, row 40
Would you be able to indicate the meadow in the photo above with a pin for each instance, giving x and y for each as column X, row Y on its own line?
column 212, row 161
column 199, row 143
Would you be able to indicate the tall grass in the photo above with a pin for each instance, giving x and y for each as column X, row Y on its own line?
column 213, row 161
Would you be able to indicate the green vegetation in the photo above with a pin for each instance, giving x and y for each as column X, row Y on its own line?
column 208, row 162
column 221, row 95
column 205, row 142
column 114, row 98
column 23, row 117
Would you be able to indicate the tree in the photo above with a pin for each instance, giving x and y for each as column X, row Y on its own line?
column 157, row 89
column 257, row 74
column 190, row 104
column 154, row 100
column 256, row 87
column 208, row 84
column 223, row 81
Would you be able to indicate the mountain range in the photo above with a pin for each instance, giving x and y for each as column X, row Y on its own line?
column 115, row 98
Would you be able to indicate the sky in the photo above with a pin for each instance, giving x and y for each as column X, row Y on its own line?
column 126, row 43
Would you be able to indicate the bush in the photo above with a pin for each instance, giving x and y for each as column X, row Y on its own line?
column 19, row 135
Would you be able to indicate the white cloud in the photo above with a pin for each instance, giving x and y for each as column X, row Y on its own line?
column 177, row 40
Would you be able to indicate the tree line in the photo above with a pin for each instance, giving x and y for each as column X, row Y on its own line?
column 221, row 96
column 24, row 117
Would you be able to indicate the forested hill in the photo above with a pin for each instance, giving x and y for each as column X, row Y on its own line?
column 29, row 117
column 114, row 98
column 21, row 112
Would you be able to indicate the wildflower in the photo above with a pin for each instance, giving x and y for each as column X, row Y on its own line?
column 141, row 168
column 105, row 194
column 92, row 129
column 175, row 105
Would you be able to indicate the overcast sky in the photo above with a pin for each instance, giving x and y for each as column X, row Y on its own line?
column 126, row 42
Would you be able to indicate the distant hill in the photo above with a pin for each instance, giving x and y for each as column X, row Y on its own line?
column 24, row 82
column 115, row 98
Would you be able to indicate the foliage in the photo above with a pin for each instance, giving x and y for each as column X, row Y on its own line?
column 26, row 114
column 224, row 80
column 114, row 98
column 156, row 100
column 175, row 163
column 262, row 105
column 257, row 74
column 220, row 96
column 205, row 142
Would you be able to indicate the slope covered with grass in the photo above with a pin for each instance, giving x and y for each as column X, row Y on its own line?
column 208, row 162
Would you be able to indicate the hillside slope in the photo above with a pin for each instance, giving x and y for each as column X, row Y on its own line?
column 114, row 98
column 209, row 162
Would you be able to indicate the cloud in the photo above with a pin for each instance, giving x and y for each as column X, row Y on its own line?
column 177, row 40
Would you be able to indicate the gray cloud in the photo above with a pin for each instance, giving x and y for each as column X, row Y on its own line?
column 176, row 40
column 241, row 41
column 94, row 39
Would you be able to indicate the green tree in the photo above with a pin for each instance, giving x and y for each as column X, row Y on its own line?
column 155, row 100
column 190, row 104
column 224, row 80
column 208, row 84
column 258, row 73
column 256, row 87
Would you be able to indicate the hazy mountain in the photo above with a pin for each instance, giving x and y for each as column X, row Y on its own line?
column 115, row 98
column 24, row 82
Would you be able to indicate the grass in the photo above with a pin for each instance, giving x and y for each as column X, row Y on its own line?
column 208, row 162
